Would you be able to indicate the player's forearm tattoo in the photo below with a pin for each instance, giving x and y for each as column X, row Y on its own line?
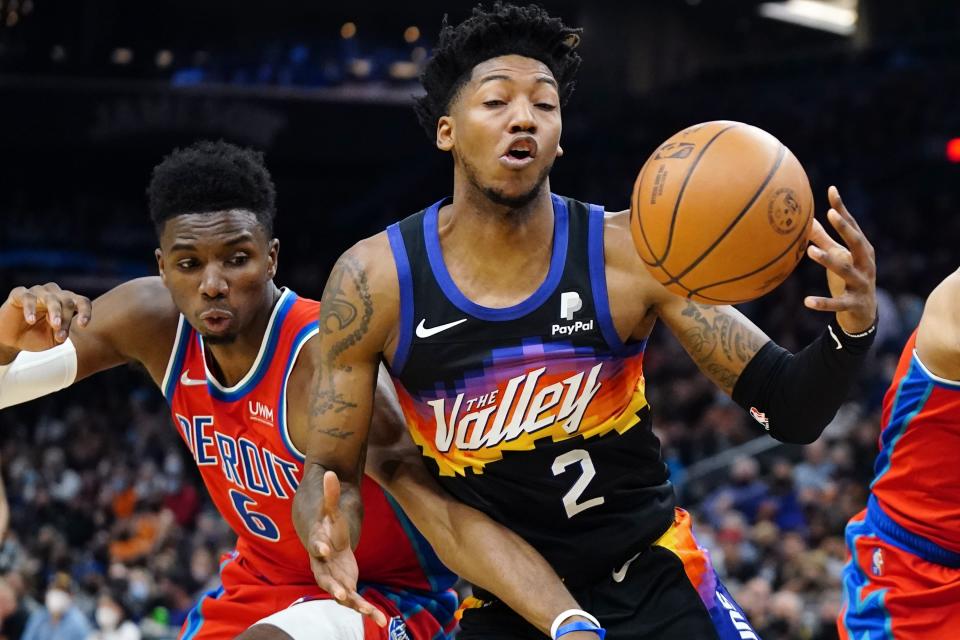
column 343, row 325
column 720, row 344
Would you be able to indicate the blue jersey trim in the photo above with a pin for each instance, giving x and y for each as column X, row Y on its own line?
column 264, row 361
column 406, row 298
column 872, row 620
column 598, row 279
column 912, row 394
column 438, row 576
column 308, row 331
column 895, row 534
column 456, row 297
column 178, row 353
column 195, row 618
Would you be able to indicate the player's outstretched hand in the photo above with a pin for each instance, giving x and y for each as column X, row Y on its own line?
column 331, row 556
column 41, row 317
column 851, row 269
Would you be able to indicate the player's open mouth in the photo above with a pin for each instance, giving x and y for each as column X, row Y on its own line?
column 520, row 153
column 216, row 319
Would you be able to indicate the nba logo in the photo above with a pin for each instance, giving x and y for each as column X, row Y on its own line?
column 877, row 567
column 397, row 629
column 570, row 303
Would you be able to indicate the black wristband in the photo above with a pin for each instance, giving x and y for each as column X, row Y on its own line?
column 857, row 343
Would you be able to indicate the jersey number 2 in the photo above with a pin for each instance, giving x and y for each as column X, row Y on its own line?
column 587, row 472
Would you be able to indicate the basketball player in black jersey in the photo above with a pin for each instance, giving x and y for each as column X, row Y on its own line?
column 514, row 321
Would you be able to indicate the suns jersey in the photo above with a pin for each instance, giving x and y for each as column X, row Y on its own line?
column 239, row 439
column 534, row 414
column 917, row 479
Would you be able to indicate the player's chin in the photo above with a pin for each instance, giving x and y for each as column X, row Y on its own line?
column 225, row 337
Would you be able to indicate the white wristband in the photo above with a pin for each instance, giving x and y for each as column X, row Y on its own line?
column 569, row 613
column 33, row 374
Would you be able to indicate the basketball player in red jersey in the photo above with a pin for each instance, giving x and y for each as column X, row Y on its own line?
column 903, row 576
column 233, row 355
column 514, row 321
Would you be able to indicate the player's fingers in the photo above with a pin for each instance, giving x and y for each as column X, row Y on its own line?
column 330, row 584
column 54, row 310
column 358, row 603
column 84, row 310
column 69, row 312
column 331, row 494
column 840, row 263
column 819, row 303
column 27, row 302
column 833, row 195
column 321, row 550
column 822, row 239
column 858, row 244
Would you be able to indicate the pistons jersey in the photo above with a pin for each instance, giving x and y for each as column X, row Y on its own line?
column 917, row 484
column 534, row 414
column 239, row 439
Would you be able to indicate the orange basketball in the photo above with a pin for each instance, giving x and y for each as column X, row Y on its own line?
column 721, row 212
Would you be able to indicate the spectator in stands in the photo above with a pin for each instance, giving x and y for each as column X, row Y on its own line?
column 59, row 618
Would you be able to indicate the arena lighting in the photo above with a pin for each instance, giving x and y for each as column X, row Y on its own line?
column 164, row 58
column 953, row 150
column 348, row 30
column 835, row 16
column 411, row 34
column 121, row 55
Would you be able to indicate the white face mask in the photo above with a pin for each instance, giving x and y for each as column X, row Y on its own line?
column 57, row 602
column 107, row 618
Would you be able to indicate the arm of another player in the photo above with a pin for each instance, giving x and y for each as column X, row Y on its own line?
column 466, row 540
column 938, row 337
column 50, row 337
column 794, row 396
column 355, row 318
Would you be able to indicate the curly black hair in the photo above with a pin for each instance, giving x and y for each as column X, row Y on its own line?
column 211, row 176
column 506, row 29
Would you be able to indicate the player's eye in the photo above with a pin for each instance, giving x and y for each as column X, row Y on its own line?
column 186, row 264
column 494, row 103
column 546, row 106
column 239, row 259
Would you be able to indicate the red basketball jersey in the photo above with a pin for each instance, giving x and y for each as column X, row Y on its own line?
column 239, row 439
column 917, row 478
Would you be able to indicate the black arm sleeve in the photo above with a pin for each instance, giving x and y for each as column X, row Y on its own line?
column 796, row 396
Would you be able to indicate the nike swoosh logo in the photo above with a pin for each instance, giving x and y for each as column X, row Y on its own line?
column 187, row 381
column 621, row 573
column 424, row 332
column 834, row 336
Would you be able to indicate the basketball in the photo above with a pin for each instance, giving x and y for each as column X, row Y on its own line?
column 721, row 212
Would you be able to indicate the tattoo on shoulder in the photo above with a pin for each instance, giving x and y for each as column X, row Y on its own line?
column 719, row 343
column 345, row 313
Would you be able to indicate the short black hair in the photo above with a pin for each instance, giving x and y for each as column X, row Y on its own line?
column 212, row 176
column 506, row 29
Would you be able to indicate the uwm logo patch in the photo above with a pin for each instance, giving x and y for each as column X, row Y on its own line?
column 261, row 413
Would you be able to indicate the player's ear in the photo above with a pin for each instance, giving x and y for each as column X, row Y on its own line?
column 445, row 133
column 272, row 254
column 159, row 255
column 559, row 151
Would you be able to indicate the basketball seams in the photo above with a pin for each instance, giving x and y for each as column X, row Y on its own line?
column 635, row 211
column 676, row 205
column 781, row 153
column 696, row 292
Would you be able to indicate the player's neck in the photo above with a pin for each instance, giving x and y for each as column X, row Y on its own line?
column 484, row 242
column 230, row 362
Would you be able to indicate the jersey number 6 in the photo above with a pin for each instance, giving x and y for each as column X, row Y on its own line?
column 257, row 523
column 587, row 472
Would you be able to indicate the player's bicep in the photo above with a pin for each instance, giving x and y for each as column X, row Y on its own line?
column 347, row 354
column 720, row 339
column 126, row 324
column 938, row 336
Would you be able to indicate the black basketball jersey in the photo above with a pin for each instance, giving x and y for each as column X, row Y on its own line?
column 534, row 414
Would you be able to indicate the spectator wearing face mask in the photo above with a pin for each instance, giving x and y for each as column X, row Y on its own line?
column 113, row 623
column 58, row 619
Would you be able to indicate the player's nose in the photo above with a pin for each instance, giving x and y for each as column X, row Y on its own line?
column 212, row 283
column 522, row 118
